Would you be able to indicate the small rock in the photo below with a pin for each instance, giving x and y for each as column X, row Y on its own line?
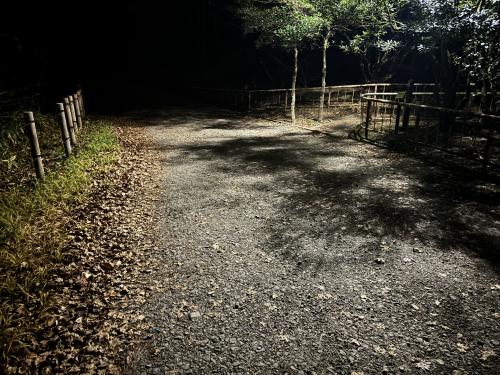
column 194, row 315
column 380, row 260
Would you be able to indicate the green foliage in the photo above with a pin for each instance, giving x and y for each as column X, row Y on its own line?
column 286, row 24
column 15, row 160
column 480, row 60
column 340, row 15
column 11, row 136
column 460, row 38
column 378, row 39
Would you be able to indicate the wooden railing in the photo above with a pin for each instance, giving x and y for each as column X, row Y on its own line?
column 465, row 133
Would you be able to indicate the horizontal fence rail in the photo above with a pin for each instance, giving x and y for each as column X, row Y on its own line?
column 467, row 134
column 336, row 99
column 346, row 97
column 404, row 115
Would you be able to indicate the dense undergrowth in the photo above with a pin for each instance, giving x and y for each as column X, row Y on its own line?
column 33, row 218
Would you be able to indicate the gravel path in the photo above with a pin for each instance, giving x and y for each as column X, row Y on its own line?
column 289, row 252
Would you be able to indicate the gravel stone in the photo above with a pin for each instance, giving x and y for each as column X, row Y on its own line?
column 254, row 215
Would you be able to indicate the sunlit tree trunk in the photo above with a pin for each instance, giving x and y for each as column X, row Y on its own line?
column 294, row 81
column 323, row 76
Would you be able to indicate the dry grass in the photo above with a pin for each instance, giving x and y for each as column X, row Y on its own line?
column 33, row 218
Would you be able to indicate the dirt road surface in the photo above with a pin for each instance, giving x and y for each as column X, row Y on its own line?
column 283, row 251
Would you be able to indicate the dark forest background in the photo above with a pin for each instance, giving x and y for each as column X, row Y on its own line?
column 149, row 52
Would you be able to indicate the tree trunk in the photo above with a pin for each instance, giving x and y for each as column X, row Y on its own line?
column 484, row 107
column 323, row 77
column 294, row 82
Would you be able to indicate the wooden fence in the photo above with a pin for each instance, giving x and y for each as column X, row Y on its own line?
column 337, row 98
column 398, row 114
column 70, row 115
column 431, row 129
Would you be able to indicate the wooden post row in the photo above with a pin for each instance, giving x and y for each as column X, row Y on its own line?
column 36, row 155
column 70, row 114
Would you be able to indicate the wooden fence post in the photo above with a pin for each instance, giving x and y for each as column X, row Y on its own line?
column 398, row 117
column 69, row 121
column 73, row 112
column 80, row 101
column 408, row 99
column 34, row 146
column 487, row 147
column 367, row 121
column 77, row 110
column 286, row 99
column 417, row 128
column 64, row 129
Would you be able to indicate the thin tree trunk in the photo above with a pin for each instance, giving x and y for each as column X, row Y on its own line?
column 323, row 77
column 294, row 81
column 484, row 108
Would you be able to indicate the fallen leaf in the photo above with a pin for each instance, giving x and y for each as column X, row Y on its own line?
column 379, row 350
column 485, row 354
column 424, row 365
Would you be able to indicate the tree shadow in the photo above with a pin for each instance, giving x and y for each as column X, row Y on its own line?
column 242, row 155
column 432, row 205
column 337, row 189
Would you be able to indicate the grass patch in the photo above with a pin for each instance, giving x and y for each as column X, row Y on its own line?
column 33, row 218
